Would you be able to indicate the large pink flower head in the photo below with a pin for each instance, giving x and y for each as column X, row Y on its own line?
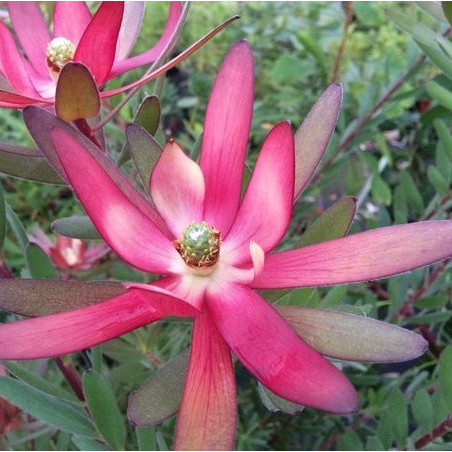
column 102, row 42
column 214, row 250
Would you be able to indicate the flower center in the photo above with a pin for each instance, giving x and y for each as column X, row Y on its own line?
column 59, row 52
column 199, row 245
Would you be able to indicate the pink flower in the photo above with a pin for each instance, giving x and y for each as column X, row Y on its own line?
column 215, row 250
column 69, row 253
column 102, row 43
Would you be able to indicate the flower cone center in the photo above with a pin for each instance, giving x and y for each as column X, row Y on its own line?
column 199, row 245
column 59, row 52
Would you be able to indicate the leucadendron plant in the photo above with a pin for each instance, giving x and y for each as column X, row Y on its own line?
column 216, row 254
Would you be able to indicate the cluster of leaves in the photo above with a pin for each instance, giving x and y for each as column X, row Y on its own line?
column 392, row 150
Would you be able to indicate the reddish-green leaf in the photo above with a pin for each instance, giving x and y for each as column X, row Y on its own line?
column 76, row 95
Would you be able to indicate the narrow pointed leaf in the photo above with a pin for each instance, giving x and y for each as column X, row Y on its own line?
column 148, row 114
column 34, row 297
column 76, row 94
column 104, row 409
column 38, row 382
column 145, row 151
column 77, row 227
column 160, row 396
column 46, row 408
column 39, row 264
column 2, row 218
column 313, row 136
column 17, row 229
column 27, row 163
column 352, row 337
column 442, row 95
column 332, row 224
column 83, row 443
column 447, row 9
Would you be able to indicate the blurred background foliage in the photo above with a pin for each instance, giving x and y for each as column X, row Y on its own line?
column 392, row 149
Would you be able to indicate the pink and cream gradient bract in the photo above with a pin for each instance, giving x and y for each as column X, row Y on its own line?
column 101, row 42
column 229, row 315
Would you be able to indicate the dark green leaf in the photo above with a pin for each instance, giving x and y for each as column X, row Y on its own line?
column 2, row 218
column 160, row 396
column 445, row 375
column 148, row 114
column 433, row 302
column 46, row 408
column 422, row 409
column 381, row 191
column 436, row 179
column 104, row 409
column 83, row 443
column 447, row 9
column 146, row 438
column 39, row 264
column 442, row 95
column 398, row 417
column 27, row 163
column 412, row 194
column 34, row 297
column 350, row 441
column 275, row 403
column 17, row 228
column 145, row 151
column 77, row 227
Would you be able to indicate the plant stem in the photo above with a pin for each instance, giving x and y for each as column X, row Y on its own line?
column 72, row 377
column 437, row 432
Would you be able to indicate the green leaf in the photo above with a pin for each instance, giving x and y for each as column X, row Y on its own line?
column 77, row 96
column 38, row 297
column 433, row 302
column 288, row 68
column 444, row 135
column 83, row 443
column 332, row 224
column 438, row 57
column 46, row 408
column 146, row 438
column 148, row 114
column 27, row 163
column 445, row 375
column 434, row 9
column 400, row 208
column 145, row 151
column 422, row 409
column 160, row 396
column 104, row 409
column 334, row 296
column 39, row 264
column 77, row 227
column 397, row 413
column 381, row 191
column 2, row 217
column 373, row 443
column 412, row 194
column 447, row 9
column 275, row 403
column 442, row 95
column 436, row 179
column 350, row 439
column 17, row 228
column 38, row 382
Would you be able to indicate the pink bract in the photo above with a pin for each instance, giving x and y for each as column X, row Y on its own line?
column 102, row 43
column 228, row 314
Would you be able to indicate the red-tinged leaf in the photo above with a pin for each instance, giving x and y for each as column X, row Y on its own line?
column 76, row 95
column 313, row 136
column 37, row 297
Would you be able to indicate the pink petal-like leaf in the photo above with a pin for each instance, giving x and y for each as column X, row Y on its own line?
column 177, row 188
column 123, row 65
column 39, row 297
column 225, row 136
column 97, row 46
column 70, row 20
column 352, row 337
column 275, row 355
column 313, row 136
column 12, row 100
column 13, row 68
column 123, row 226
column 40, row 123
column 130, row 28
column 31, row 29
column 71, row 331
column 266, row 209
column 207, row 416
column 76, row 94
column 378, row 253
